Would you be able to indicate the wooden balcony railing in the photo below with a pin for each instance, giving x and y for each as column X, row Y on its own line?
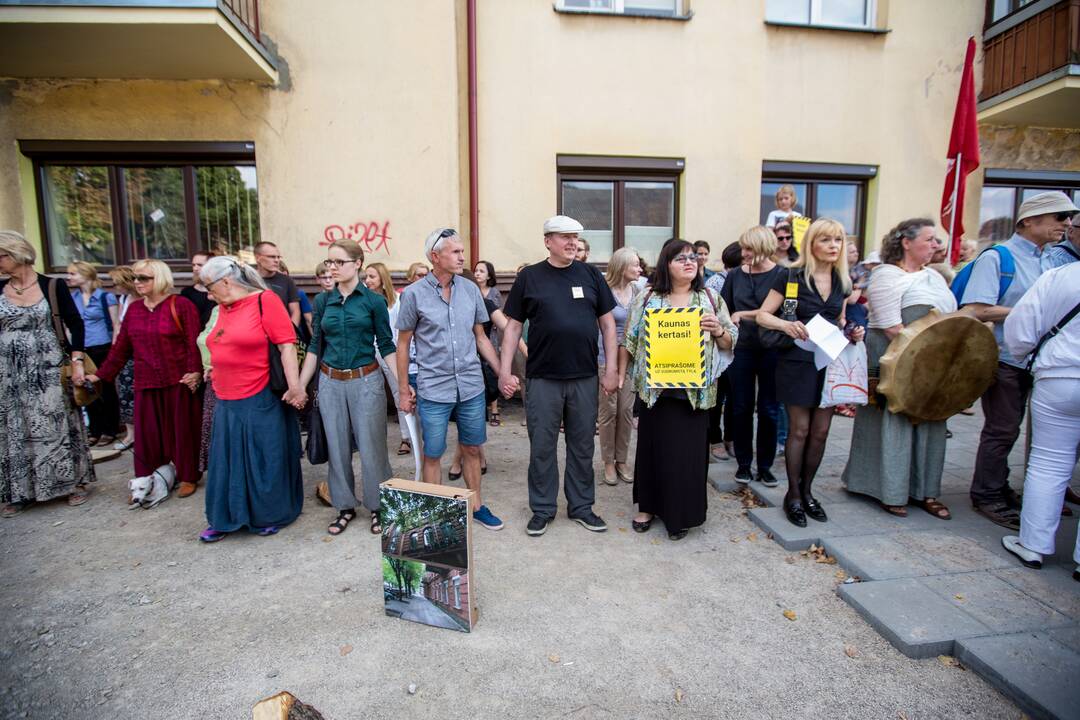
column 1039, row 45
column 247, row 12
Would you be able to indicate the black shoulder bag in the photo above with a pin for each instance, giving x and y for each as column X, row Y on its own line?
column 316, row 449
column 1052, row 332
column 778, row 339
column 278, row 383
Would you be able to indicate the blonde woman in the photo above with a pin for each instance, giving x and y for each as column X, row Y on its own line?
column 43, row 453
column 377, row 279
column 124, row 281
column 417, row 271
column 159, row 333
column 616, row 412
column 100, row 316
column 821, row 283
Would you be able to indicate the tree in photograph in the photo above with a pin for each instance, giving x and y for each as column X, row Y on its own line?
column 407, row 510
column 403, row 574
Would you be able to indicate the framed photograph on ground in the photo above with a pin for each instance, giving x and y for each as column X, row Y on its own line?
column 427, row 567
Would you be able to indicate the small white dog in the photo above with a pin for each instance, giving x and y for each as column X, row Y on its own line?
column 148, row 491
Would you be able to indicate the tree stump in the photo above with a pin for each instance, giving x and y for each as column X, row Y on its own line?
column 284, row 706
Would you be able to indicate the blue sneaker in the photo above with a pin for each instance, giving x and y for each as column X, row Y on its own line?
column 486, row 518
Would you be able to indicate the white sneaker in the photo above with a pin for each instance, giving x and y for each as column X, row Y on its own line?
column 1029, row 558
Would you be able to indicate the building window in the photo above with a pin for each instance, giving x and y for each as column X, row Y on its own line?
column 822, row 190
column 1000, row 9
column 621, row 202
column 113, row 203
column 1004, row 190
column 457, row 592
column 662, row 8
column 828, row 13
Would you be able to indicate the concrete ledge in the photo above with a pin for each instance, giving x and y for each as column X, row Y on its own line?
column 1037, row 671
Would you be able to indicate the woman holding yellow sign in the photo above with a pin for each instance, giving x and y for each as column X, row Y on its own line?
column 816, row 284
column 678, row 340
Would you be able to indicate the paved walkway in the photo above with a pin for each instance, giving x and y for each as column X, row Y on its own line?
column 420, row 609
column 946, row 588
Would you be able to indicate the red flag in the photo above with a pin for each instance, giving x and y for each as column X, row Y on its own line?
column 963, row 155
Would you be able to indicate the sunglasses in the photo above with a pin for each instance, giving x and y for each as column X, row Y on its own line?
column 143, row 278
column 447, row 232
column 1063, row 216
column 783, row 237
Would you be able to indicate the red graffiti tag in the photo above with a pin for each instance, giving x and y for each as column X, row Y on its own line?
column 374, row 236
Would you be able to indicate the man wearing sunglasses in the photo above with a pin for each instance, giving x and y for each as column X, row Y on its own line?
column 1041, row 222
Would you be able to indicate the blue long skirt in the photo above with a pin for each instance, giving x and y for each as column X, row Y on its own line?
column 254, row 478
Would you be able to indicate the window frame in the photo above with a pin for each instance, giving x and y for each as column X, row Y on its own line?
column 870, row 8
column 620, row 170
column 1014, row 8
column 814, row 174
column 1067, row 182
column 116, row 156
column 618, row 7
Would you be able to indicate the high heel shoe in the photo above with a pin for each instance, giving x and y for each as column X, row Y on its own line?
column 814, row 509
column 795, row 513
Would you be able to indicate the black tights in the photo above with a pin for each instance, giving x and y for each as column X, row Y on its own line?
column 808, row 432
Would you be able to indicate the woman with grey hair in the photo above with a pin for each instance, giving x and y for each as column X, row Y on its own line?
column 892, row 459
column 43, row 451
column 253, row 480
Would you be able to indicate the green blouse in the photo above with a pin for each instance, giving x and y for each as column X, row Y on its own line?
column 716, row 360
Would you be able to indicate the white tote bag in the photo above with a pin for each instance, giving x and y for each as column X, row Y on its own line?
column 845, row 378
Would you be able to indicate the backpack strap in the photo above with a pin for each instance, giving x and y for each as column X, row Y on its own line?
column 54, row 306
column 1068, row 247
column 1007, row 270
column 175, row 317
column 1051, row 333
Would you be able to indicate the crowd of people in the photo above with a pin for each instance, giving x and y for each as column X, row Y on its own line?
column 220, row 378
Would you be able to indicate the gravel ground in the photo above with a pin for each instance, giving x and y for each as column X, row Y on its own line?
column 111, row 613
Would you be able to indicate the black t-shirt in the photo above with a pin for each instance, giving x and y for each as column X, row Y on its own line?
column 747, row 291
column 561, row 305
column 491, row 306
column 284, row 287
column 811, row 304
column 201, row 300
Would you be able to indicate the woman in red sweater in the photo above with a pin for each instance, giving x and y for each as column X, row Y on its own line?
column 159, row 333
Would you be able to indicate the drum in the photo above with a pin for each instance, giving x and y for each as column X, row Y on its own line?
column 938, row 366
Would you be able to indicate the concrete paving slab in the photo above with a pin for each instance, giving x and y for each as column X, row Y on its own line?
column 910, row 554
column 915, row 619
column 1036, row 672
column 994, row 602
column 1053, row 585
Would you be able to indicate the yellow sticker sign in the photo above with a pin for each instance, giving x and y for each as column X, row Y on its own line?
column 674, row 348
column 799, row 225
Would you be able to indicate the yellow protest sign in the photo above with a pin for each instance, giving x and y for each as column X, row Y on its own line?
column 799, row 225
column 674, row 348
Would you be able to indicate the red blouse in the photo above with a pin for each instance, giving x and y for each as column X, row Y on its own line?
column 162, row 343
column 238, row 347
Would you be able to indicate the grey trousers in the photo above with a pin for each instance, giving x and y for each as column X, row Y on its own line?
column 357, row 406
column 573, row 403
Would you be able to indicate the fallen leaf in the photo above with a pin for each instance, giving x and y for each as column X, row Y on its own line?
column 901, row 715
column 850, row 651
column 825, row 560
column 840, row 575
column 327, row 539
column 655, row 541
column 553, row 658
column 752, row 537
column 790, row 615
column 959, row 597
column 735, row 538
column 346, row 649
column 948, row 661
column 622, row 529
column 678, row 695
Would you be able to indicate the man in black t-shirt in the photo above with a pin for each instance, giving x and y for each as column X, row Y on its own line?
column 268, row 263
column 564, row 301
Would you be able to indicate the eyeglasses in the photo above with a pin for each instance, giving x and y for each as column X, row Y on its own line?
column 1063, row 216
column 685, row 258
column 145, row 278
column 339, row 263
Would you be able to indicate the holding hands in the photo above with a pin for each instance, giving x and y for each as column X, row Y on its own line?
column 406, row 398
column 192, row 380
column 297, row 397
column 508, row 385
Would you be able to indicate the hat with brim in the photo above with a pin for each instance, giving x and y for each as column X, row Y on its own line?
column 1046, row 203
column 562, row 224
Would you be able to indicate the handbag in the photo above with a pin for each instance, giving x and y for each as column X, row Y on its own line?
column 316, row 449
column 278, row 383
column 846, row 378
column 778, row 339
column 82, row 394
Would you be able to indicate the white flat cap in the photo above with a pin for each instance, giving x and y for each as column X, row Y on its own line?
column 562, row 224
column 873, row 258
column 1046, row 203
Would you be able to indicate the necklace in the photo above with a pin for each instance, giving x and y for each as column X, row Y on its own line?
column 24, row 288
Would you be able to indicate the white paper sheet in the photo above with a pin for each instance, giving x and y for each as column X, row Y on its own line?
column 410, row 422
column 826, row 341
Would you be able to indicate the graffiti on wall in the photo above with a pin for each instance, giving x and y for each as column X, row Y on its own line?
column 374, row 235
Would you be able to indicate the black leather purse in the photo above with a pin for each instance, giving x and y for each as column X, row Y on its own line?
column 778, row 339
column 278, row 383
column 316, row 449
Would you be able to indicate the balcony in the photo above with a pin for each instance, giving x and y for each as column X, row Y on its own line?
column 152, row 39
column 1031, row 66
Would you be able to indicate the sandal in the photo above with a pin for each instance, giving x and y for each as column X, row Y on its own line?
column 265, row 531
column 453, row 475
column 405, row 448
column 376, row 528
column 12, row 510
column 78, row 497
column 92, row 440
column 106, row 440
column 495, row 421
column 210, row 535
column 897, row 510
column 343, row 519
column 934, row 507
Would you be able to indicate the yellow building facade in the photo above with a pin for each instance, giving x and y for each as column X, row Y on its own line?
column 161, row 127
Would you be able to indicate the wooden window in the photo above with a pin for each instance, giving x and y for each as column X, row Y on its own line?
column 1004, row 190
column 622, row 202
column 822, row 190
column 111, row 203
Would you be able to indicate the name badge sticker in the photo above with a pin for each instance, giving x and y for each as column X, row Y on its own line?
column 791, row 290
column 577, row 292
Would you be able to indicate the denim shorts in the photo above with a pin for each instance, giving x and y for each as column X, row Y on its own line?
column 435, row 418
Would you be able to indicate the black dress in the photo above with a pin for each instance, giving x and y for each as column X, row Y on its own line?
column 798, row 381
